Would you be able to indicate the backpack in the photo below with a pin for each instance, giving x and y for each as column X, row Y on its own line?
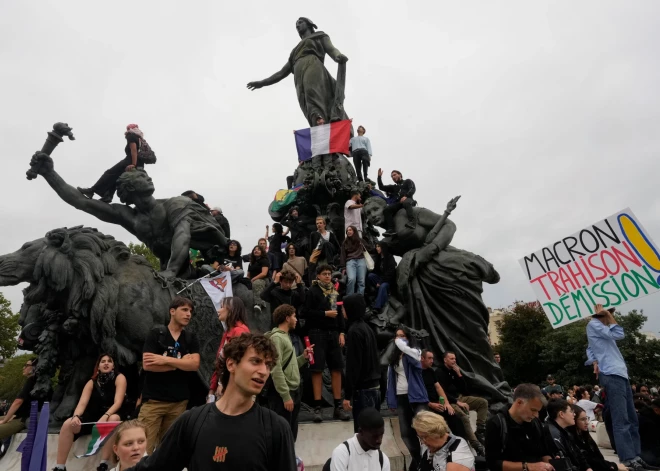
column 145, row 153
column 202, row 412
column 504, row 430
column 326, row 466
column 270, row 385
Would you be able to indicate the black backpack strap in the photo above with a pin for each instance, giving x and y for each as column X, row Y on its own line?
column 270, row 432
column 288, row 360
column 200, row 413
column 503, row 430
column 380, row 458
column 347, row 447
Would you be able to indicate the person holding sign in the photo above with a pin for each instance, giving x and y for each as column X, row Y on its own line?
column 610, row 369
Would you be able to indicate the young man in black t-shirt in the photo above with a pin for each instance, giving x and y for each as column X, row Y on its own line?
column 515, row 439
column 169, row 354
column 20, row 408
column 234, row 432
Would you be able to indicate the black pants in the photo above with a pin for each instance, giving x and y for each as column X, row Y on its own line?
column 107, row 184
column 362, row 399
column 361, row 160
column 276, row 404
column 392, row 209
column 406, row 411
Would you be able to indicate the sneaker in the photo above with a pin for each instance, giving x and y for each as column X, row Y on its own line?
column 317, row 418
column 481, row 435
column 341, row 414
column 633, row 465
column 645, row 465
column 106, row 199
column 102, row 467
column 87, row 192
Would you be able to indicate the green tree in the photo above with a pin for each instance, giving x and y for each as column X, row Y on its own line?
column 141, row 249
column 9, row 328
column 11, row 376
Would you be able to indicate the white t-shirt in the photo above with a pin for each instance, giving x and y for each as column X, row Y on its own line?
column 401, row 380
column 352, row 217
column 461, row 454
column 357, row 459
column 588, row 407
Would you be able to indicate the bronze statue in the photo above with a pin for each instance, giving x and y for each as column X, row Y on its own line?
column 169, row 227
column 319, row 95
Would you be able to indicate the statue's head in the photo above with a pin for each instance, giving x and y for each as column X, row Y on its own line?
column 305, row 24
column 134, row 183
column 374, row 208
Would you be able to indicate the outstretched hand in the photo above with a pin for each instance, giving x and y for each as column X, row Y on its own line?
column 254, row 85
column 41, row 164
column 380, row 172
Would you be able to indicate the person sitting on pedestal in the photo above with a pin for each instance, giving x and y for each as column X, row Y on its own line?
column 101, row 401
column 326, row 241
column 402, row 191
column 258, row 274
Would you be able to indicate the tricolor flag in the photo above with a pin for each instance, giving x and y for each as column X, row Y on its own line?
column 218, row 288
column 101, row 431
column 323, row 139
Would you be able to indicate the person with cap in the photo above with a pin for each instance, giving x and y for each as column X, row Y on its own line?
column 106, row 186
column 216, row 212
column 551, row 385
column 610, row 369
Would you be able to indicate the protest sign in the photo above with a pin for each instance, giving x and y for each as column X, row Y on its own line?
column 611, row 262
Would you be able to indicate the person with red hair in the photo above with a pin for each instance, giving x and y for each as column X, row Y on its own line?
column 106, row 186
column 101, row 401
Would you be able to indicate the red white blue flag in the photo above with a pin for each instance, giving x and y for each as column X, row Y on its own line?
column 324, row 139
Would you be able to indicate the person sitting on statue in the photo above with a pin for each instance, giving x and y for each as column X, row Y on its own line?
column 326, row 330
column 106, row 186
column 275, row 242
column 295, row 264
column 325, row 241
column 361, row 151
column 197, row 198
column 258, row 274
column 101, row 401
column 383, row 275
column 217, row 214
column 353, row 261
column 402, row 191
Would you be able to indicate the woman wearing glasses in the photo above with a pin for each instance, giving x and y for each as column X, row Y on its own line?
column 101, row 401
column 587, row 445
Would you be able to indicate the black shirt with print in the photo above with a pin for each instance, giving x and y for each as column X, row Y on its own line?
column 169, row 386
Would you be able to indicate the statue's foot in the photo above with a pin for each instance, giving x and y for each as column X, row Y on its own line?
column 87, row 192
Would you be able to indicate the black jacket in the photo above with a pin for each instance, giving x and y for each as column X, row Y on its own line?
column 649, row 432
column 385, row 267
column 587, row 446
column 276, row 296
column 329, row 249
column 515, row 442
column 362, row 358
column 297, row 228
column 314, row 309
column 224, row 224
column 398, row 190
column 560, row 443
column 451, row 383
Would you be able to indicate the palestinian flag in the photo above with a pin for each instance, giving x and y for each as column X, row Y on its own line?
column 101, row 431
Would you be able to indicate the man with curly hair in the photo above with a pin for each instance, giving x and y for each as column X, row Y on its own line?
column 234, row 432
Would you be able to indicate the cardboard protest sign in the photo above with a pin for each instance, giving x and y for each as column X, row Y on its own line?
column 611, row 262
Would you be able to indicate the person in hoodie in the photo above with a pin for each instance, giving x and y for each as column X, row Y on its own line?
column 649, row 432
column 558, row 440
column 406, row 393
column 279, row 292
column 285, row 399
column 383, row 275
column 362, row 379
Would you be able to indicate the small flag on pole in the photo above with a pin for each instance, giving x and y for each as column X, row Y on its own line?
column 218, row 288
column 101, row 432
column 324, row 139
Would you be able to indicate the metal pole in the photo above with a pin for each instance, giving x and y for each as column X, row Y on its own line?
column 198, row 279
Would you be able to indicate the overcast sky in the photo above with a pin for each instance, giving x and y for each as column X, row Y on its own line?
column 544, row 116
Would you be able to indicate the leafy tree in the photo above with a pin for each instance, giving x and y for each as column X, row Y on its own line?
column 9, row 328
column 531, row 348
column 141, row 249
column 11, row 376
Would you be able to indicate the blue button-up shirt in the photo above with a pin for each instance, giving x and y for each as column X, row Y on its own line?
column 603, row 349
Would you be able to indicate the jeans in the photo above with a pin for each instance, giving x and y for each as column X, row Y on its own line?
column 361, row 160
column 406, row 411
column 383, row 295
column 356, row 270
column 362, row 399
column 625, row 424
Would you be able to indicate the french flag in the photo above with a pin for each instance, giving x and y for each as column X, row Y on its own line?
column 324, row 139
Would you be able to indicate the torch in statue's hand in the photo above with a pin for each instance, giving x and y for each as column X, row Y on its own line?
column 40, row 164
column 53, row 139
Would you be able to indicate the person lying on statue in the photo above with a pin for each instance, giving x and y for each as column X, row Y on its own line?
column 168, row 227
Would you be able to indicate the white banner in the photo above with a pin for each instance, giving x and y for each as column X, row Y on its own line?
column 218, row 288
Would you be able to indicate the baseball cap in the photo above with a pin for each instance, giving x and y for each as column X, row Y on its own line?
column 549, row 377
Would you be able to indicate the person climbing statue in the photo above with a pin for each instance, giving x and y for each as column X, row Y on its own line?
column 402, row 196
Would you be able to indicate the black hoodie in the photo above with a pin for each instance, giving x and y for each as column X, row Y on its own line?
column 362, row 359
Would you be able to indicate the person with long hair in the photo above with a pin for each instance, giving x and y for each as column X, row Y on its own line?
column 406, row 393
column 258, row 274
column 326, row 241
column 295, row 264
column 106, row 186
column 101, row 401
column 275, row 242
column 233, row 317
column 383, row 275
column 234, row 255
column 587, row 446
column 352, row 258
column 129, row 444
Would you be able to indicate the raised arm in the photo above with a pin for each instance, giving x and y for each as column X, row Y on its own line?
column 273, row 79
column 120, row 214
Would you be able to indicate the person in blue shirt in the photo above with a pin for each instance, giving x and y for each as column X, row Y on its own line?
column 610, row 369
column 361, row 151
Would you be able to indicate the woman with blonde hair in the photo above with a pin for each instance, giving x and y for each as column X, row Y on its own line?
column 130, row 444
column 441, row 449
